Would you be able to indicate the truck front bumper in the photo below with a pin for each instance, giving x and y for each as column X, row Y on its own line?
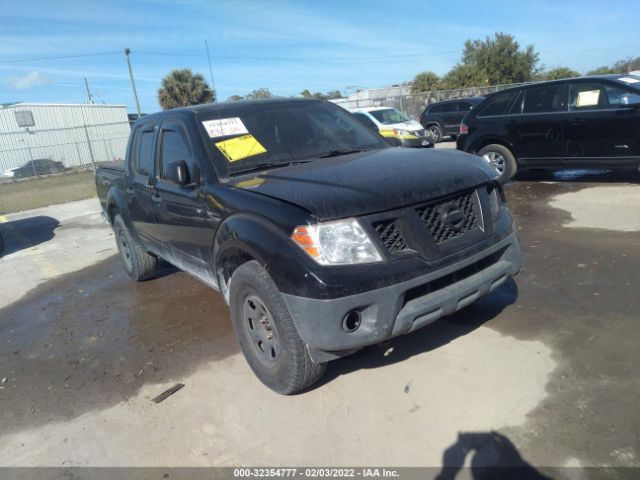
column 401, row 308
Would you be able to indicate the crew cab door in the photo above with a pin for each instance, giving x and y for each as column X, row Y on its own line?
column 185, row 236
column 139, row 189
column 535, row 123
column 601, row 127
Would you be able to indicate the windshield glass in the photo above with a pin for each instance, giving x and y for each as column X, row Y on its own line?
column 389, row 116
column 267, row 135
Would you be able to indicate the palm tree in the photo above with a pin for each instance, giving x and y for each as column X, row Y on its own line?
column 182, row 88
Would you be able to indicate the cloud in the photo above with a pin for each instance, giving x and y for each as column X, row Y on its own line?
column 30, row 80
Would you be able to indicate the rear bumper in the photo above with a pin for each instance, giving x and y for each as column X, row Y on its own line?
column 403, row 307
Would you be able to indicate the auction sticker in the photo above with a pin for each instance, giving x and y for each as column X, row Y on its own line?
column 224, row 127
column 240, row 147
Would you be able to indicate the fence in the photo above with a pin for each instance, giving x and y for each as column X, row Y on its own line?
column 32, row 153
column 412, row 104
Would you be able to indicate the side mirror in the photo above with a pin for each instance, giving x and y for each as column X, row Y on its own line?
column 178, row 172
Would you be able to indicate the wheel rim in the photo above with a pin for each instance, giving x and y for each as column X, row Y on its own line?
column 125, row 250
column 495, row 161
column 259, row 327
column 434, row 132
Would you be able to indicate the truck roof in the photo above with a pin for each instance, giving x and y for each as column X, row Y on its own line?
column 213, row 107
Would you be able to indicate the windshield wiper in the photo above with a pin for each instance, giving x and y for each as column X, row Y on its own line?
column 338, row 153
column 268, row 165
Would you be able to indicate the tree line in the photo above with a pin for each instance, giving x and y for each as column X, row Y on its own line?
column 496, row 60
column 500, row 60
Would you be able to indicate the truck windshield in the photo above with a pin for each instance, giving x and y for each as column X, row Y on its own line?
column 252, row 136
column 389, row 116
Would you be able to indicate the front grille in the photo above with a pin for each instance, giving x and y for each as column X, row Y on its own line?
column 390, row 235
column 444, row 219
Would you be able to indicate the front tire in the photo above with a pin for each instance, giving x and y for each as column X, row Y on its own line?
column 138, row 264
column 436, row 133
column 266, row 333
column 501, row 160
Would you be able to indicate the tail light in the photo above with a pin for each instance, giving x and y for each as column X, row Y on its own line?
column 463, row 129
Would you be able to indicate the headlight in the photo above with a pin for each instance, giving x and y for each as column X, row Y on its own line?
column 336, row 243
column 404, row 133
column 496, row 199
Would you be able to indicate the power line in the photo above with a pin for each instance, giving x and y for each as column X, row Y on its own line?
column 62, row 57
column 309, row 58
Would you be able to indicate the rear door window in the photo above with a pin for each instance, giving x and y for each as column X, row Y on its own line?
column 464, row 106
column 497, row 105
column 143, row 164
column 542, row 99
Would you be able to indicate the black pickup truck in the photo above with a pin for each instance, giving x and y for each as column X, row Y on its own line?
column 322, row 238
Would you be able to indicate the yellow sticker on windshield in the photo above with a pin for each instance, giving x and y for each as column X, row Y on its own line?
column 240, row 147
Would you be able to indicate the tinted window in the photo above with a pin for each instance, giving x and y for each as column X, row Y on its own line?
column 464, row 106
column 516, row 106
column 436, row 108
column 144, row 158
column 542, row 99
column 595, row 96
column 174, row 148
column 497, row 105
column 619, row 97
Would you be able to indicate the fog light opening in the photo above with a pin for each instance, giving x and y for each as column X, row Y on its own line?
column 351, row 321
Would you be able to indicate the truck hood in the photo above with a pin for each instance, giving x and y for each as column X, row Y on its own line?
column 370, row 182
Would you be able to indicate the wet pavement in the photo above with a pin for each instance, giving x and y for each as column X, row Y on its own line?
column 550, row 361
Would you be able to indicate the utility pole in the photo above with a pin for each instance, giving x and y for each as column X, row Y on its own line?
column 89, row 97
column 213, row 85
column 133, row 83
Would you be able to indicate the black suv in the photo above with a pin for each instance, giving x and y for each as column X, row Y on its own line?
column 579, row 122
column 443, row 118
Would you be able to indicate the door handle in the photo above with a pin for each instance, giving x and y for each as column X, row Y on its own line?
column 156, row 198
column 129, row 190
column 576, row 122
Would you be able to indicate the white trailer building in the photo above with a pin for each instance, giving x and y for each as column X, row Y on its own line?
column 76, row 135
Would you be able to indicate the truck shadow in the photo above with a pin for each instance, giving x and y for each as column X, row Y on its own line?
column 428, row 338
column 493, row 456
column 25, row 233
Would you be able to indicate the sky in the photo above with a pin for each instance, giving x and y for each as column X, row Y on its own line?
column 286, row 46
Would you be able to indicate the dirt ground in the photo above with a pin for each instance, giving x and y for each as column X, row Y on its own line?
column 542, row 372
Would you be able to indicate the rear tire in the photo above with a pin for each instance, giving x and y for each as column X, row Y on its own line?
column 436, row 132
column 501, row 160
column 266, row 333
column 138, row 264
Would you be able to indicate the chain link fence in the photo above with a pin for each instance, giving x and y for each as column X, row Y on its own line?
column 37, row 153
column 412, row 104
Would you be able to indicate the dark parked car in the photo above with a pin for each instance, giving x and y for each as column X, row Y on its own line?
column 321, row 236
column 41, row 166
column 443, row 118
column 579, row 122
